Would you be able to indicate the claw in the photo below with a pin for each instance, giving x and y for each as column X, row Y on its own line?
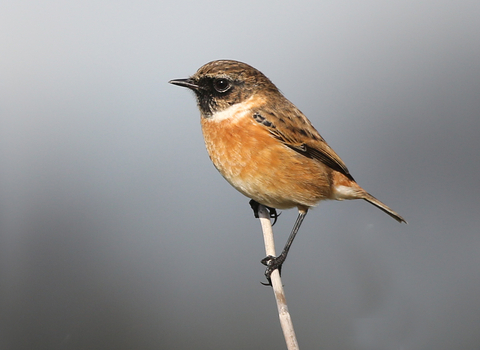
column 272, row 263
column 269, row 284
column 273, row 214
column 271, row 211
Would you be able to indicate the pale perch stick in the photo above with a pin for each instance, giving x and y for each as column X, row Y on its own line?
column 283, row 314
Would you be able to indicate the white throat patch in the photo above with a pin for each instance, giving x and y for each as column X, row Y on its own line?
column 236, row 111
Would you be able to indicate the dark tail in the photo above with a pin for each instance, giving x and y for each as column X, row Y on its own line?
column 371, row 199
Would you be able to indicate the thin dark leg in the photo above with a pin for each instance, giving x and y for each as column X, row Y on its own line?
column 272, row 262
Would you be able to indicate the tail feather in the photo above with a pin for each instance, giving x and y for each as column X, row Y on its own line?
column 371, row 199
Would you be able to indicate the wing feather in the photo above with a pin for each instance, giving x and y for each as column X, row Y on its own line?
column 293, row 129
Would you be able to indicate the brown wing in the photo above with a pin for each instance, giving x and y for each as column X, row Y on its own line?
column 287, row 124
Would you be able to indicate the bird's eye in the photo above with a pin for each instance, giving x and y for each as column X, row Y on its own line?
column 221, row 85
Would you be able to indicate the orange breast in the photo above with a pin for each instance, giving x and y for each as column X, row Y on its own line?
column 261, row 167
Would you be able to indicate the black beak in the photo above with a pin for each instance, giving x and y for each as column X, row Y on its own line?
column 188, row 83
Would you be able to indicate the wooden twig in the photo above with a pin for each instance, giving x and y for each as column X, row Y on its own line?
column 283, row 314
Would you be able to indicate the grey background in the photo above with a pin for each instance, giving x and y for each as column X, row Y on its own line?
column 118, row 233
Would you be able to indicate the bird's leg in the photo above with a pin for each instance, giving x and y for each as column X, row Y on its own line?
column 272, row 262
column 272, row 211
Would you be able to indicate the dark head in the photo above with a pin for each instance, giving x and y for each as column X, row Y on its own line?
column 221, row 84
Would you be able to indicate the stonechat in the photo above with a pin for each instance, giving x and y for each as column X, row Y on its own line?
column 266, row 148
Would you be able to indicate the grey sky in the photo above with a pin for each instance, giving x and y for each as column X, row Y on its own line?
column 116, row 231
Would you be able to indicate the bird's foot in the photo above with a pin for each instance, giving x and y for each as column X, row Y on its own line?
column 272, row 263
column 272, row 211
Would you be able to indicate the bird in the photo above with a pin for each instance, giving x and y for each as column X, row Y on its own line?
column 266, row 148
